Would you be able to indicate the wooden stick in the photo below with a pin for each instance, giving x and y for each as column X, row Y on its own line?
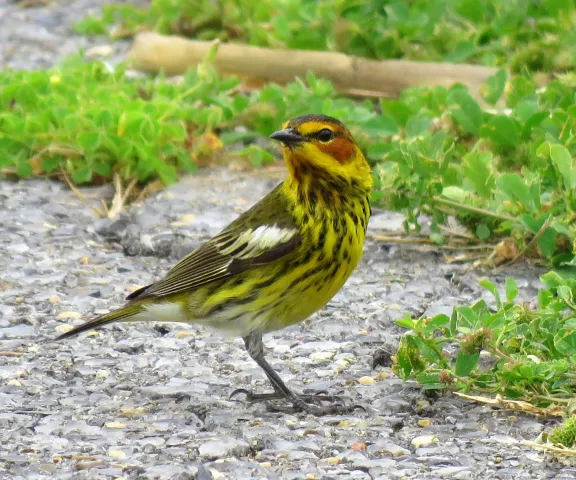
column 152, row 52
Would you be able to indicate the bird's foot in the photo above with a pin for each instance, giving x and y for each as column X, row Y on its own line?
column 315, row 404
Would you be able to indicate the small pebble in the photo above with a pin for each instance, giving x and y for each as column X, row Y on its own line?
column 68, row 315
column 63, row 328
column 228, row 447
column 423, row 440
column 366, row 380
column 185, row 333
column 321, row 356
column 216, row 475
column 133, row 412
column 48, row 468
column 358, row 446
column 116, row 453
column 89, row 465
column 99, row 51
column 383, row 375
column 114, row 425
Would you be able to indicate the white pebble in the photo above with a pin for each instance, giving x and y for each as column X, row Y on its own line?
column 424, row 440
column 321, row 356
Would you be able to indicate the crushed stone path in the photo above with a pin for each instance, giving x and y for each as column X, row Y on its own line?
column 151, row 401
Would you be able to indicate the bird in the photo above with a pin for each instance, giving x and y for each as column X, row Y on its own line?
column 277, row 263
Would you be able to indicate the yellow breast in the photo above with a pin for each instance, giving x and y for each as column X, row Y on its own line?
column 310, row 287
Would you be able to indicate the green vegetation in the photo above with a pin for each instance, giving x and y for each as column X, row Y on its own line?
column 502, row 174
column 565, row 435
column 435, row 150
column 93, row 121
column 530, row 353
column 520, row 34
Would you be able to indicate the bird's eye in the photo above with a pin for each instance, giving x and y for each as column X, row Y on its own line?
column 325, row 135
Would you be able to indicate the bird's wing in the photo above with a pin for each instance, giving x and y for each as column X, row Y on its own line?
column 242, row 245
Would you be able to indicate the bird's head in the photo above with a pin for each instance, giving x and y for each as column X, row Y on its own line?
column 319, row 149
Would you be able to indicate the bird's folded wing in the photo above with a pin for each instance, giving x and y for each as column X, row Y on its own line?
column 231, row 252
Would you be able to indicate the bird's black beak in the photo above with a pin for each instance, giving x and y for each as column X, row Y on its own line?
column 288, row 136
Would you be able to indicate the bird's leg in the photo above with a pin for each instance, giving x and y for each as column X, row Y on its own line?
column 255, row 348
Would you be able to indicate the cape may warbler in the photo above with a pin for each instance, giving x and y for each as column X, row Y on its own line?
column 280, row 261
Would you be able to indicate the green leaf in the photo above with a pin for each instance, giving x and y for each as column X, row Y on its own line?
column 545, row 298
column 399, row 111
column 488, row 285
column 558, row 7
column 511, row 289
column 453, row 322
column 471, row 9
column 90, row 26
column 482, row 231
column 552, row 280
column 417, row 125
column 565, row 342
column 9, row 146
column 168, row 175
column 465, row 111
column 438, row 321
column 89, row 141
column 381, row 125
column 102, row 169
column 477, row 167
column 502, row 130
column 564, row 164
column 518, row 89
column 456, row 193
column 425, row 347
column 494, row 87
column 405, row 322
column 24, row 169
column 49, row 164
column 465, row 363
column 547, row 242
column 82, row 175
column 513, row 185
column 565, row 293
column 470, row 317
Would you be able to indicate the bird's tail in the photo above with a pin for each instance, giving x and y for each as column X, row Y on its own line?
column 123, row 314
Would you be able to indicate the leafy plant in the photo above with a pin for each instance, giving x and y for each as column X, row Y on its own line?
column 514, row 350
column 565, row 435
column 524, row 35
column 92, row 121
column 435, row 150
column 507, row 173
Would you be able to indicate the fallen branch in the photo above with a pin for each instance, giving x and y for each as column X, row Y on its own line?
column 152, row 52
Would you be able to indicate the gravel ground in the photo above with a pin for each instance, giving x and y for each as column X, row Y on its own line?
column 151, row 401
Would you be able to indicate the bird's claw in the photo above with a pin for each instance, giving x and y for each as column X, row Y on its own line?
column 339, row 408
column 255, row 397
column 241, row 391
column 308, row 403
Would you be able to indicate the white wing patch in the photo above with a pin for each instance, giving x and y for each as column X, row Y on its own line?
column 257, row 241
